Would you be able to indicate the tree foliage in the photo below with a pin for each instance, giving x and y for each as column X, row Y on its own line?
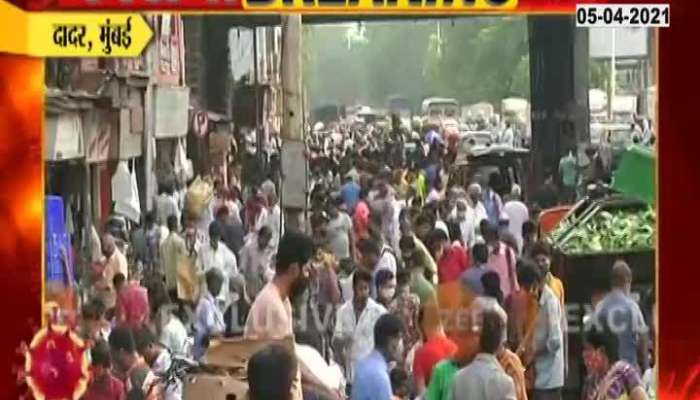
column 471, row 59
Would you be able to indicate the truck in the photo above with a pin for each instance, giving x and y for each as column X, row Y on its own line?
column 400, row 106
column 440, row 112
column 483, row 111
column 475, row 163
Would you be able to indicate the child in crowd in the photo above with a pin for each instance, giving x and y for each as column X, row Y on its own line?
column 399, row 384
column 209, row 321
column 94, row 324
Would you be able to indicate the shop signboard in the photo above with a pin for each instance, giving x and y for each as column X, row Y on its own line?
column 64, row 136
column 628, row 42
column 171, row 111
column 130, row 142
column 98, row 135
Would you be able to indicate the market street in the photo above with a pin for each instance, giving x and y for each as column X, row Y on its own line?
column 286, row 209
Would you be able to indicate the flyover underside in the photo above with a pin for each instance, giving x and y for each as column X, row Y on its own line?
column 316, row 19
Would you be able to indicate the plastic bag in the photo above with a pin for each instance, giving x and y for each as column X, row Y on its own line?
column 125, row 193
column 183, row 166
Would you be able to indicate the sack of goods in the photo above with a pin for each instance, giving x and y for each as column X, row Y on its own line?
column 198, row 197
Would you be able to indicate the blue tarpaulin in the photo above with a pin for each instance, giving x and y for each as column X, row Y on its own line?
column 57, row 241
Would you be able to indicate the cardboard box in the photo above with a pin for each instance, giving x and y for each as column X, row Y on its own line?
column 235, row 353
column 214, row 387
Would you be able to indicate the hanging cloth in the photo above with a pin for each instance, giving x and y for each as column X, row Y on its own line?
column 241, row 49
column 182, row 166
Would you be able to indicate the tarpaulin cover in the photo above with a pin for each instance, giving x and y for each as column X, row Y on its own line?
column 57, row 241
column 636, row 175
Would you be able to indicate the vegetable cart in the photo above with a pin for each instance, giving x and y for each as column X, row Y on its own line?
column 593, row 235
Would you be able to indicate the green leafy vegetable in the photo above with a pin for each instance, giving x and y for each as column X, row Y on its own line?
column 609, row 231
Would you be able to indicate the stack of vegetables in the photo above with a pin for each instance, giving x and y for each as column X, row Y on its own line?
column 607, row 231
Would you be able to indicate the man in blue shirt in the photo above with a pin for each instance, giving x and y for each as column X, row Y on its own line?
column 209, row 321
column 350, row 193
column 620, row 313
column 372, row 373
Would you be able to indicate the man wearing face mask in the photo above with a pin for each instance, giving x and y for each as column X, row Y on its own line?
column 372, row 380
column 386, row 287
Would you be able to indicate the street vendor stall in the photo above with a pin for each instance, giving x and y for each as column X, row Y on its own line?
column 595, row 233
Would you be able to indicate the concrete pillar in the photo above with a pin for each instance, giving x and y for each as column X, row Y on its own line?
column 558, row 91
column 294, row 165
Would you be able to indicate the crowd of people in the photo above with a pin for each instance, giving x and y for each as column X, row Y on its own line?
column 413, row 289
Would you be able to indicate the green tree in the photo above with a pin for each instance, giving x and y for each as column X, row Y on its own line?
column 471, row 59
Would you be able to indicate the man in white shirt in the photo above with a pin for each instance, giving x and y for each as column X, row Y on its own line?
column 517, row 214
column 215, row 254
column 508, row 136
column 353, row 338
column 166, row 205
column 476, row 211
column 256, row 261
column 466, row 225
column 273, row 220
column 174, row 334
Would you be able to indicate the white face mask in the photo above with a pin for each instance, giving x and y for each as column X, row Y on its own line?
column 387, row 293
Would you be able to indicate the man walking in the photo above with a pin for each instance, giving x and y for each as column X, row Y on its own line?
column 372, row 379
